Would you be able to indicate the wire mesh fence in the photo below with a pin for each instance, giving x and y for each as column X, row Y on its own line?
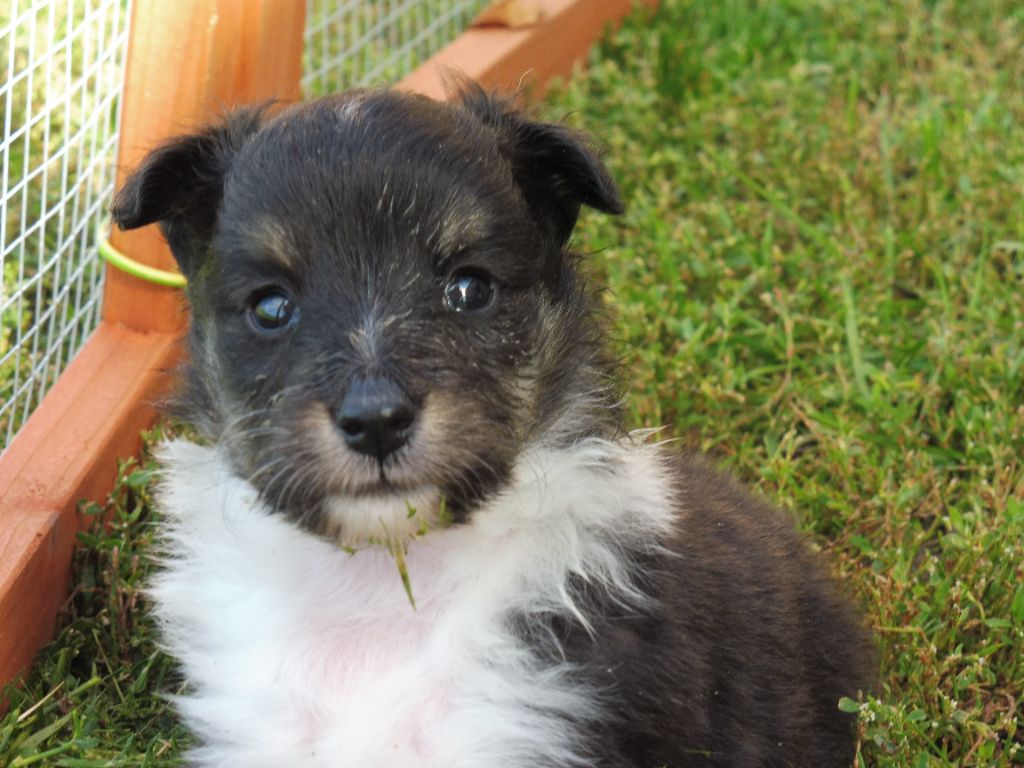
column 60, row 96
column 368, row 42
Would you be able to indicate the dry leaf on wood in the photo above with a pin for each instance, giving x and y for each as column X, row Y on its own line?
column 510, row 13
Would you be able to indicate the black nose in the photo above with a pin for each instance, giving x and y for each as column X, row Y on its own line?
column 376, row 417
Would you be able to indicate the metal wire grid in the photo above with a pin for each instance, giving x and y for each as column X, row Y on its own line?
column 373, row 42
column 60, row 99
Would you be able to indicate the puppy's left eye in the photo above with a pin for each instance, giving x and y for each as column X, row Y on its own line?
column 469, row 291
column 272, row 311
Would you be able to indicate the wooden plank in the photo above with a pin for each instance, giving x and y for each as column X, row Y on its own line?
column 68, row 450
column 188, row 62
column 527, row 58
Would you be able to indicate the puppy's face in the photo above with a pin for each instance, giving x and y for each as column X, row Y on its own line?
column 383, row 312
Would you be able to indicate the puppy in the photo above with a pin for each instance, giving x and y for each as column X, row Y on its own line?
column 418, row 536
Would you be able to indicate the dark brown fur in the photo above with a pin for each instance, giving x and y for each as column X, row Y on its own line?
column 744, row 660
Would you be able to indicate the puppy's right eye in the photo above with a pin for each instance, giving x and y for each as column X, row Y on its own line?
column 469, row 291
column 272, row 311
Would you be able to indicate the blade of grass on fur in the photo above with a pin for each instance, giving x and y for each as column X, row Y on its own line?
column 397, row 550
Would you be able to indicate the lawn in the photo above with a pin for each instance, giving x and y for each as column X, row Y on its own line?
column 819, row 282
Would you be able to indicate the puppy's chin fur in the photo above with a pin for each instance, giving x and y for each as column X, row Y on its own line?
column 382, row 518
column 299, row 652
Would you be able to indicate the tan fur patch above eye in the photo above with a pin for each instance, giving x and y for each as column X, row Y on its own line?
column 271, row 240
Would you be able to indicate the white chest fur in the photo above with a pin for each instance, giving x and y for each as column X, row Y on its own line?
column 301, row 654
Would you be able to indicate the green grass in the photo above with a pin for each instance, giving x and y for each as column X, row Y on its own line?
column 96, row 694
column 819, row 282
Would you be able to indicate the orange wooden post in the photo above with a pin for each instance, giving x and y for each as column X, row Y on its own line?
column 187, row 61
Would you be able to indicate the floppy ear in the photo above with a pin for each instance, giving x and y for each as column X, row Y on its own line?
column 180, row 185
column 554, row 166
